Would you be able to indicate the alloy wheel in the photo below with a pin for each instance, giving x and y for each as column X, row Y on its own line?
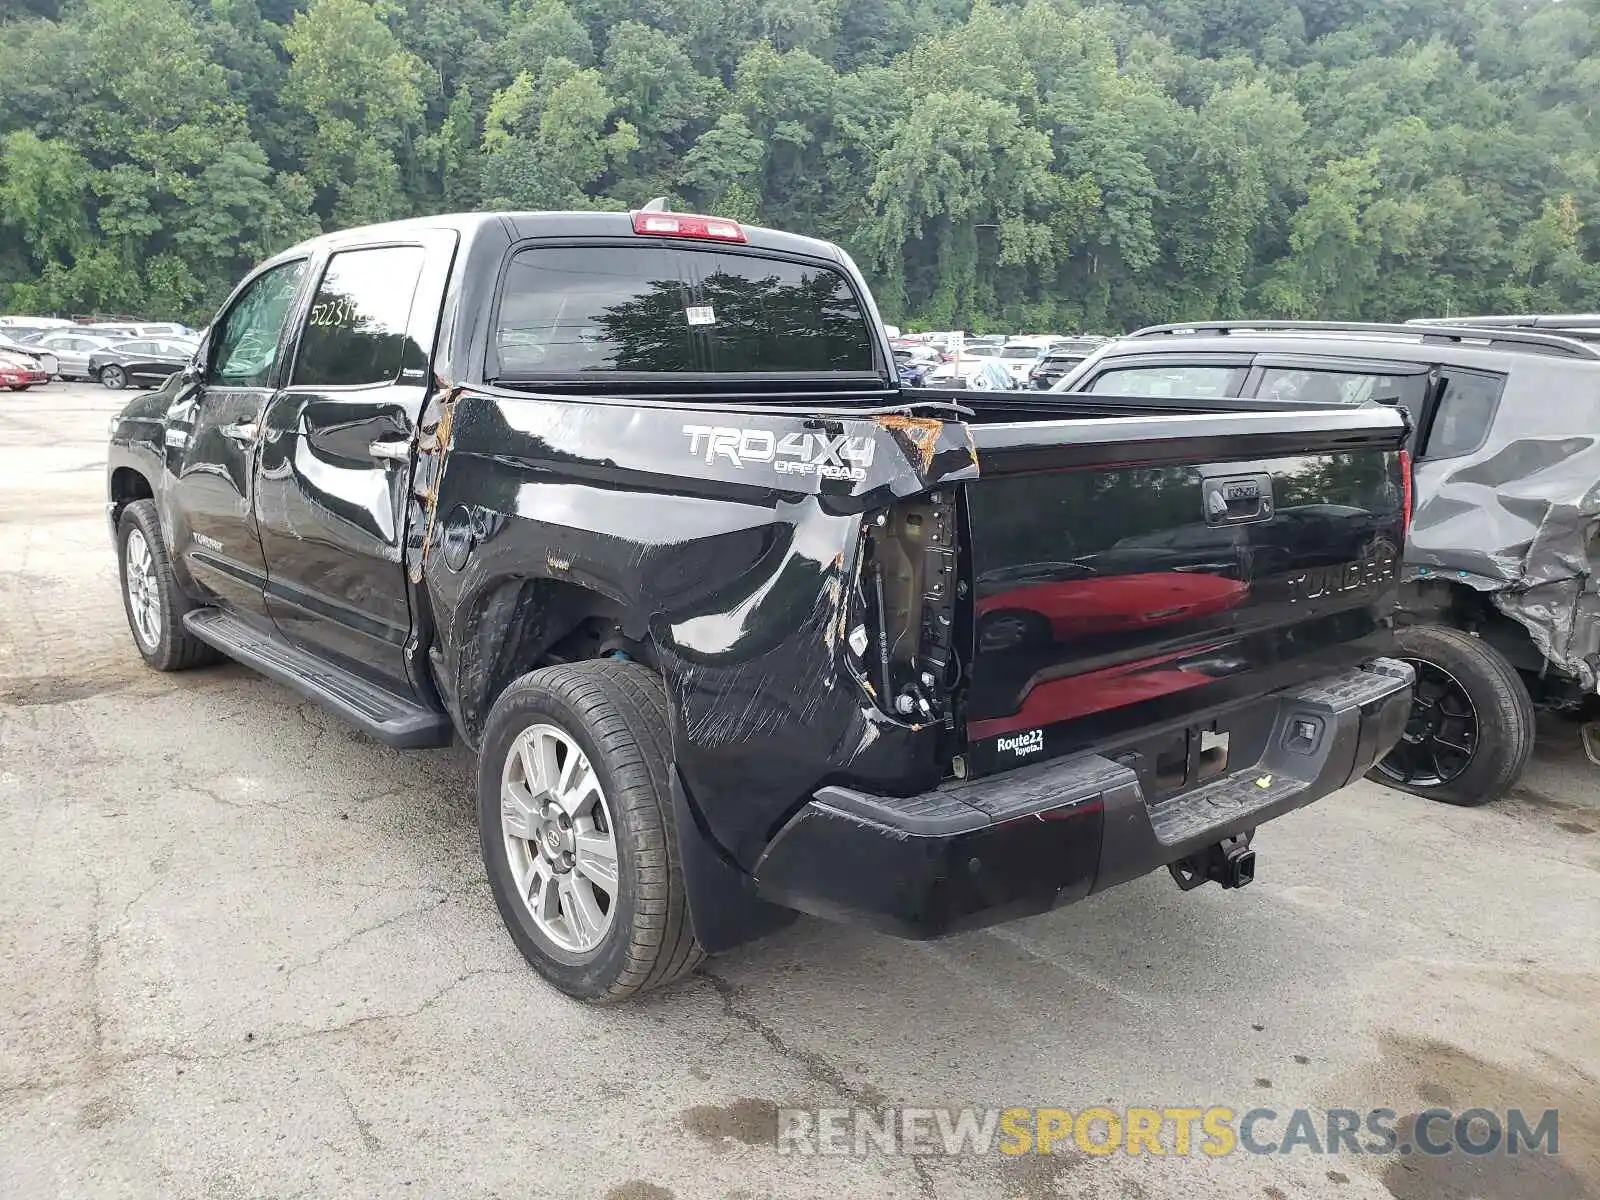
column 560, row 840
column 144, row 593
column 1441, row 735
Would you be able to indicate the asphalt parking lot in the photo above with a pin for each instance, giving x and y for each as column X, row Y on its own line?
column 246, row 952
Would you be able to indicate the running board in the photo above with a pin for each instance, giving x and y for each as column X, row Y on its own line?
column 392, row 719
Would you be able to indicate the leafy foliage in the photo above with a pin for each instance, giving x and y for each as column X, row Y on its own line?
column 993, row 164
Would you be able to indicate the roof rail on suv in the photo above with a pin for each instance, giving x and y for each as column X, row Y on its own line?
column 1494, row 337
column 1583, row 326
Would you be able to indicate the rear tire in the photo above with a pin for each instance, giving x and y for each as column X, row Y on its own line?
column 151, row 597
column 596, row 946
column 1457, row 673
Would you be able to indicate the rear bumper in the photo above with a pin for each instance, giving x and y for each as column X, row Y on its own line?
column 975, row 853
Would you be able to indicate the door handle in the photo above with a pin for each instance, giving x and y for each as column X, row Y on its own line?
column 243, row 431
column 391, row 449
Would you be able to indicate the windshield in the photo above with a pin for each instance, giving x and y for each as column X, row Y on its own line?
column 672, row 310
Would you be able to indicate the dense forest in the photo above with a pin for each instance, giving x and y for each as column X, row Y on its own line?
column 992, row 165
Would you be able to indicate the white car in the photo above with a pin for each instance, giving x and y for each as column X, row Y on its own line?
column 1021, row 355
column 72, row 351
column 973, row 373
column 140, row 329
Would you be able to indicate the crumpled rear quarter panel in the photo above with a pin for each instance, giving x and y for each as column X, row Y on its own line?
column 733, row 571
column 1519, row 519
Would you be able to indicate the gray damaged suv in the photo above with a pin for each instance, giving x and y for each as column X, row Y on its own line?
column 1500, row 603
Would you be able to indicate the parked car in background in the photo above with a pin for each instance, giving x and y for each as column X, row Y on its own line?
column 992, row 376
column 913, row 363
column 15, row 322
column 1022, row 354
column 971, row 371
column 141, row 329
column 19, row 373
column 141, row 362
column 72, row 351
column 39, row 357
column 1060, row 359
column 1498, row 610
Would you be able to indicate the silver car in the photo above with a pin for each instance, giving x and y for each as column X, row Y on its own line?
column 72, row 351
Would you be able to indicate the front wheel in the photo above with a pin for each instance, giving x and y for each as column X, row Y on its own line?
column 154, row 602
column 113, row 377
column 575, row 824
column 1471, row 728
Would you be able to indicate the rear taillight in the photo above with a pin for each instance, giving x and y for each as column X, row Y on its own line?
column 1405, row 492
column 685, row 225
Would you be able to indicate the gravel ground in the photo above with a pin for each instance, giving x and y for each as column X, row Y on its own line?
column 247, row 952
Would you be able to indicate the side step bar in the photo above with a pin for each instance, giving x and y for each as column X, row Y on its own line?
column 390, row 718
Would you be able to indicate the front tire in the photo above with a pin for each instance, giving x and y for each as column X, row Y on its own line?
column 575, row 824
column 113, row 377
column 1471, row 729
column 151, row 597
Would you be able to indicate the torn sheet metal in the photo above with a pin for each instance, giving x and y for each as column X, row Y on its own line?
column 1518, row 520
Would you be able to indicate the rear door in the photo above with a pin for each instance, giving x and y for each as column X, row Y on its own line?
column 336, row 457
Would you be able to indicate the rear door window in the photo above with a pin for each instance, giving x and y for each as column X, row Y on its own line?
column 1406, row 388
column 1170, row 381
column 671, row 310
column 355, row 333
column 1465, row 410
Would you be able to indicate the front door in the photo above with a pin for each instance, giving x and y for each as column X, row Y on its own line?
column 336, row 454
column 211, row 443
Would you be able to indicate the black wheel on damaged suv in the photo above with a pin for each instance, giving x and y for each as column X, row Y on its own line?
column 1472, row 725
column 575, row 819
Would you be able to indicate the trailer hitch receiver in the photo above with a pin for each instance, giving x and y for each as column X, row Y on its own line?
column 1230, row 863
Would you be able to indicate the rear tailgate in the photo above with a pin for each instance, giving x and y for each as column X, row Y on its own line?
column 1134, row 574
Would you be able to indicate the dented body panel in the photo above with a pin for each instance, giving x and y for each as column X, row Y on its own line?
column 1518, row 519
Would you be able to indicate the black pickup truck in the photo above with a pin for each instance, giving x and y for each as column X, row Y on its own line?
column 635, row 506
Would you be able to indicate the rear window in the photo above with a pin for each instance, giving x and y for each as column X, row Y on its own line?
column 1466, row 407
column 1019, row 352
column 1297, row 386
column 670, row 310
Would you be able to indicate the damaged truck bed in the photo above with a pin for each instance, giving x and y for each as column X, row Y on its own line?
column 634, row 506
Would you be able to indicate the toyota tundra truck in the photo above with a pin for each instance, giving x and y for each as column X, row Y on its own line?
column 634, row 505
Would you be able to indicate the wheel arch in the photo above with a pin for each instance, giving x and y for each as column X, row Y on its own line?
column 1457, row 605
column 128, row 484
column 517, row 623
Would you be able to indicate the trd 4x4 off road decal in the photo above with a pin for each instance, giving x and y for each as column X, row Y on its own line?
column 829, row 456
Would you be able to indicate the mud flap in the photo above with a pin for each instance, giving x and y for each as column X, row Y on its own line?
column 723, row 907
